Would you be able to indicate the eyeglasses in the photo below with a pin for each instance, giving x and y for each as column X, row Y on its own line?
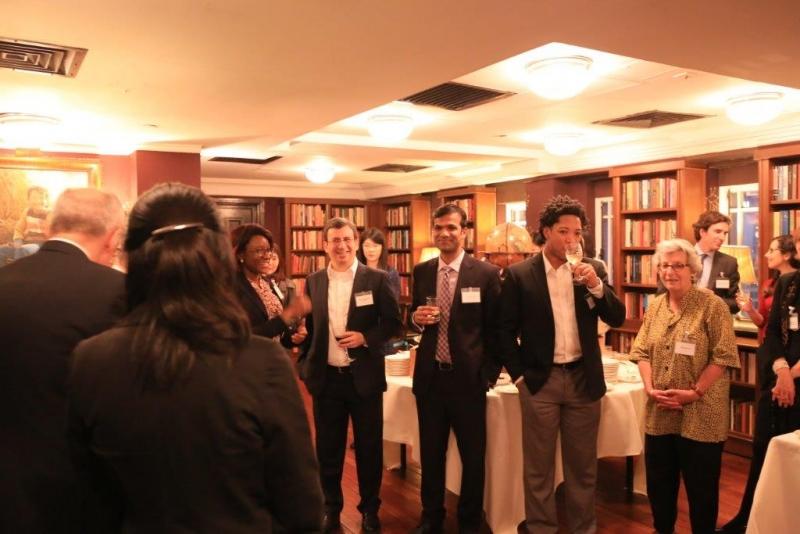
column 260, row 251
column 340, row 240
column 673, row 266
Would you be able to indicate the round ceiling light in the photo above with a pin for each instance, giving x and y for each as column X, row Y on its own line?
column 390, row 128
column 320, row 172
column 559, row 78
column 755, row 108
column 25, row 130
column 563, row 143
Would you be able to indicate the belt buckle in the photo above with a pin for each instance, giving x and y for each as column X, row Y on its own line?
column 444, row 366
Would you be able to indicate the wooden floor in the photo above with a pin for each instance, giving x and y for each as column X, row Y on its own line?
column 615, row 514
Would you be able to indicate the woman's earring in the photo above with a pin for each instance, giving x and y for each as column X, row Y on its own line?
column 241, row 260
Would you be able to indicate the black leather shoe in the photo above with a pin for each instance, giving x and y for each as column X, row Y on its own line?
column 426, row 527
column 370, row 522
column 330, row 522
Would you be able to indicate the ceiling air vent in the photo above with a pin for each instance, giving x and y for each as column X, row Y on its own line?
column 650, row 119
column 396, row 167
column 456, row 96
column 248, row 161
column 40, row 57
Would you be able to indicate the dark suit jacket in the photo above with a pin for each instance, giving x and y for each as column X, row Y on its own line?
column 470, row 329
column 49, row 302
column 773, row 346
column 227, row 449
column 526, row 312
column 260, row 322
column 729, row 267
column 378, row 322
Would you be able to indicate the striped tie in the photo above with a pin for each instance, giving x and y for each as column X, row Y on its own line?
column 444, row 299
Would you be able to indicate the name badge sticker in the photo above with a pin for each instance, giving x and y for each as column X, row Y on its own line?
column 686, row 348
column 794, row 324
column 590, row 301
column 471, row 295
column 364, row 298
column 723, row 283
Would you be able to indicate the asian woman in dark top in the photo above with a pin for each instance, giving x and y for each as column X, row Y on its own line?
column 373, row 253
column 179, row 420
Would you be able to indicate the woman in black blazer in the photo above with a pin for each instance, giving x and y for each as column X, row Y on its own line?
column 270, row 316
column 179, row 420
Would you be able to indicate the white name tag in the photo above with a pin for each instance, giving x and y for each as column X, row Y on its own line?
column 723, row 283
column 684, row 347
column 470, row 295
column 793, row 322
column 364, row 299
column 589, row 301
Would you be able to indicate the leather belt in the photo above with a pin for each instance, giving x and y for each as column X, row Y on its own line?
column 345, row 369
column 569, row 366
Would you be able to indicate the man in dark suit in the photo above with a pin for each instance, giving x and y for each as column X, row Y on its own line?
column 354, row 313
column 49, row 302
column 455, row 367
column 547, row 334
column 720, row 271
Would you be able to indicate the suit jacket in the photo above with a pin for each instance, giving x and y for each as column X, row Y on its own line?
column 469, row 330
column 526, row 313
column 49, row 302
column 728, row 267
column 260, row 322
column 227, row 449
column 378, row 322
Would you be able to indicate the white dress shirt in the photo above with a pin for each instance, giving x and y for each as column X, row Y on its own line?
column 340, row 288
column 707, row 261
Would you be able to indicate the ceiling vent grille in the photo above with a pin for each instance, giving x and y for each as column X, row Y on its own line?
column 456, row 96
column 41, row 57
column 650, row 119
column 248, row 161
column 396, row 167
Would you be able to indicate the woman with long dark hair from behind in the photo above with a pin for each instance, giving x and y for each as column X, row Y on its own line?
column 179, row 420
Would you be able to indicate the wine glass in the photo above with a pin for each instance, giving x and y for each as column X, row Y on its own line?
column 339, row 328
column 574, row 254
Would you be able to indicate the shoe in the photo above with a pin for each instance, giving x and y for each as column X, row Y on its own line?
column 330, row 522
column 370, row 522
column 426, row 527
column 734, row 526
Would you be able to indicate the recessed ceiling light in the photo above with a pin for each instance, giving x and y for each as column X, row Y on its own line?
column 319, row 172
column 559, row 78
column 563, row 143
column 755, row 108
column 390, row 128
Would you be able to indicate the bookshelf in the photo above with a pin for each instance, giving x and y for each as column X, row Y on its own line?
column 406, row 224
column 652, row 202
column 480, row 203
column 743, row 398
column 305, row 219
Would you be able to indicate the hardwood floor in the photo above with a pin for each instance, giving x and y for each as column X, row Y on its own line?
column 615, row 514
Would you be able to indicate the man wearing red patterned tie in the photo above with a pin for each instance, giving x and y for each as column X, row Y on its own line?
column 455, row 297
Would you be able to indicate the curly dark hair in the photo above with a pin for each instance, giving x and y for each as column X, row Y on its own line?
column 706, row 219
column 561, row 205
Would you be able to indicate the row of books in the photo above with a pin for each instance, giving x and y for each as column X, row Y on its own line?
column 649, row 194
column 636, row 304
column 398, row 216
column 748, row 370
column 648, row 232
column 398, row 239
column 786, row 182
column 307, row 214
column 400, row 261
column 306, row 240
column 469, row 241
column 784, row 221
column 354, row 214
column 743, row 417
column 626, row 342
column 640, row 269
column 466, row 204
column 307, row 263
column 405, row 286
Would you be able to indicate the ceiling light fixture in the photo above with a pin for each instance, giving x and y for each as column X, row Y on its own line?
column 319, row 172
column 559, row 78
column 25, row 130
column 563, row 143
column 390, row 128
column 755, row 108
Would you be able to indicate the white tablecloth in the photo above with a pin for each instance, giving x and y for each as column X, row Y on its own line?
column 778, row 487
column 621, row 434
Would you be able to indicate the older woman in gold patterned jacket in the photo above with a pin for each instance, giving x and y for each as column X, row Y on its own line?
column 683, row 348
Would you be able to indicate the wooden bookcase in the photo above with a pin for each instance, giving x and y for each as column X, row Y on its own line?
column 652, row 202
column 406, row 223
column 480, row 203
column 743, row 399
column 304, row 220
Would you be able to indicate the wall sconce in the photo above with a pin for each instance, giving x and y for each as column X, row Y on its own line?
column 559, row 78
column 563, row 143
column 390, row 128
column 319, row 172
column 755, row 108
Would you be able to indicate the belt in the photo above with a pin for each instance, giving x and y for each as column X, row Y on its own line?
column 345, row 369
column 444, row 366
column 569, row 366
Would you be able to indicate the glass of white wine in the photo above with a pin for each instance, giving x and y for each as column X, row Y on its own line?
column 574, row 254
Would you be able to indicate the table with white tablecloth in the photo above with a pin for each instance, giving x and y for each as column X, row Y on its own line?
column 620, row 434
column 778, row 487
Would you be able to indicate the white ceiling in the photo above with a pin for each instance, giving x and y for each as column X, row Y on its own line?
column 297, row 78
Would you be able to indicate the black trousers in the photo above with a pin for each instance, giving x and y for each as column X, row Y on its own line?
column 332, row 409
column 668, row 458
column 443, row 407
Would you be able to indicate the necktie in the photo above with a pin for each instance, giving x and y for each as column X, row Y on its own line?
column 444, row 299
column 704, row 272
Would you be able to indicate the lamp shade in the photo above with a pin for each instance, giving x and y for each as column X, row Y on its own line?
column 755, row 108
column 390, row 128
column 563, row 143
column 559, row 78
column 319, row 172
column 428, row 253
column 24, row 130
column 744, row 257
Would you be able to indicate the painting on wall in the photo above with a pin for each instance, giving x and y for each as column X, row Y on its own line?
column 28, row 189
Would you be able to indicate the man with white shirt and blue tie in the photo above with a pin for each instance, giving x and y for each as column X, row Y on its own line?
column 720, row 271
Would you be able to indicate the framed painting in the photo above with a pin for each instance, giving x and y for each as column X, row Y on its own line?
column 28, row 188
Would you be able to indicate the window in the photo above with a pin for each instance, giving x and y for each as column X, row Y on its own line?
column 515, row 213
column 740, row 203
column 604, row 218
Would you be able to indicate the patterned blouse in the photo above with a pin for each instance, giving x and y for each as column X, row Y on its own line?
column 705, row 321
column 271, row 301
